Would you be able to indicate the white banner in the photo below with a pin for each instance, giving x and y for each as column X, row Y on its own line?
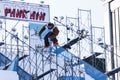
column 24, row 11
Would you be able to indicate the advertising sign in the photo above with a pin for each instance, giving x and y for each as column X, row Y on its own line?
column 24, row 11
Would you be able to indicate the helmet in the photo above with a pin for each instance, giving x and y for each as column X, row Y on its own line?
column 50, row 25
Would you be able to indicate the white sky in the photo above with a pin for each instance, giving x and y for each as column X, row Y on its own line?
column 69, row 8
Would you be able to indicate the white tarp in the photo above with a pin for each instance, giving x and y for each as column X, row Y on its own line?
column 8, row 75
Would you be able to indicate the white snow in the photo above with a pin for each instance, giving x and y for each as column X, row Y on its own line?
column 8, row 75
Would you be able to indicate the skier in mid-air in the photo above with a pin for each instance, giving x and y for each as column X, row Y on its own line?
column 52, row 33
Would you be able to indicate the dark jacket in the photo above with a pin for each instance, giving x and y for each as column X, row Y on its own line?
column 55, row 32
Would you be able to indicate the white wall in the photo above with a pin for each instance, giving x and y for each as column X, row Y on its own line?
column 8, row 75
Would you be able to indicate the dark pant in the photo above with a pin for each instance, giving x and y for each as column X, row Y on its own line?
column 46, row 41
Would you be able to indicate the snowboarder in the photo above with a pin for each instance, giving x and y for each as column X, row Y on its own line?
column 52, row 33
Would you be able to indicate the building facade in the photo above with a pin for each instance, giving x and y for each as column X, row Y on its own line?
column 112, row 35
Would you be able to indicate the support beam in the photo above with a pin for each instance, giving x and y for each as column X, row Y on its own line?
column 2, row 43
column 44, row 74
column 89, row 58
column 93, row 56
column 18, row 60
column 116, row 70
column 21, row 58
column 72, row 42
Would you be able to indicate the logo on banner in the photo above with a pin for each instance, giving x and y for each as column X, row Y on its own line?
column 24, row 14
column 24, row 11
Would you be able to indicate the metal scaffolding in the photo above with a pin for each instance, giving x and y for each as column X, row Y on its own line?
column 47, row 65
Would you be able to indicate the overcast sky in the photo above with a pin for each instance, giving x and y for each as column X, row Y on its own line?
column 69, row 8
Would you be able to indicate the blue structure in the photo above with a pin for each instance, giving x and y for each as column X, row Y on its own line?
column 71, row 78
column 93, row 72
column 14, row 64
column 23, row 75
column 90, row 70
